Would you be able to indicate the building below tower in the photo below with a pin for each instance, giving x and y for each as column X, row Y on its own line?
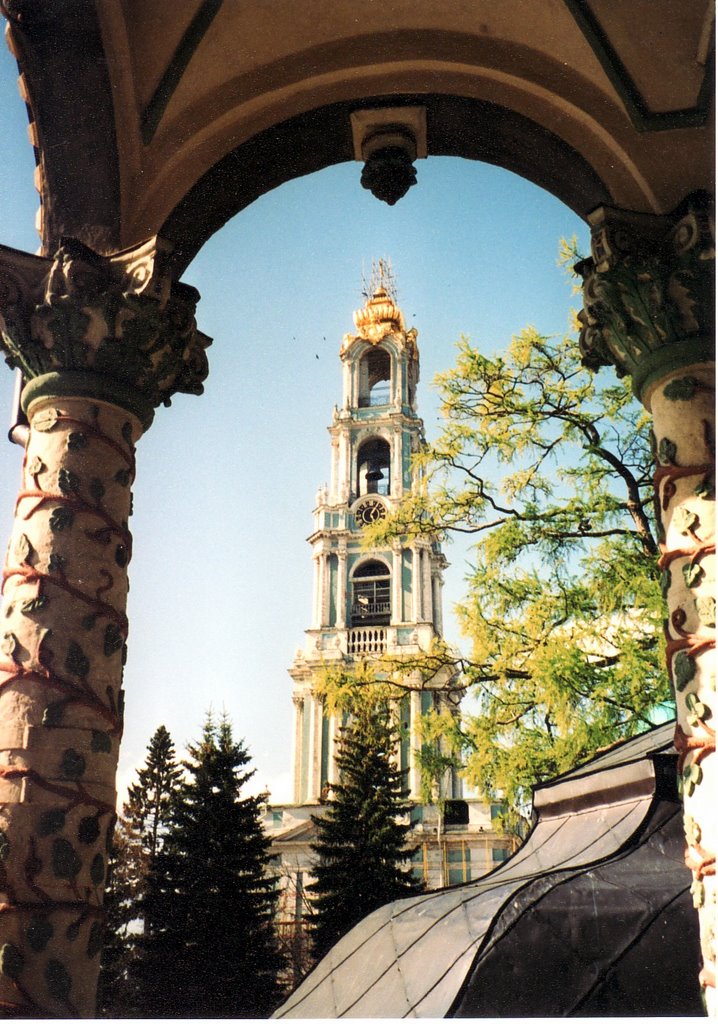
column 369, row 603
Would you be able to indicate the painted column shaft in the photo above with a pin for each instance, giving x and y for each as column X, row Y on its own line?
column 649, row 310
column 101, row 341
column 65, row 585
column 683, row 409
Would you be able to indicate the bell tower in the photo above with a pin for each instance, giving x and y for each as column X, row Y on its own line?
column 368, row 602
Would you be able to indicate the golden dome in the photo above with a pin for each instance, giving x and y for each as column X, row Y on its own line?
column 379, row 316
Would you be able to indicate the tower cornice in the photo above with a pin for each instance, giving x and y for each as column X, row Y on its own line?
column 376, row 333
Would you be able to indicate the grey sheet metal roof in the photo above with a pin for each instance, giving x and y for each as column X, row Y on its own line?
column 413, row 958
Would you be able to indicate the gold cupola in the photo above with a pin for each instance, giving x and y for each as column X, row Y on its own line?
column 378, row 317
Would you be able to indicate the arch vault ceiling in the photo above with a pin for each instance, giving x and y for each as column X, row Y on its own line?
column 170, row 117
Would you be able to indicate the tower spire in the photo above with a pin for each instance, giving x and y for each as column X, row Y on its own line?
column 381, row 279
column 380, row 315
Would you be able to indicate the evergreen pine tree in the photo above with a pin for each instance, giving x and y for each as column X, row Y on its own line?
column 361, row 842
column 126, row 880
column 136, row 842
column 211, row 950
column 150, row 798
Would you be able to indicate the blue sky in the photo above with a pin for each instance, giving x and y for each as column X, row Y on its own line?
column 221, row 574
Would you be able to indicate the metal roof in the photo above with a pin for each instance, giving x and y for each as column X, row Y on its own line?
column 551, row 931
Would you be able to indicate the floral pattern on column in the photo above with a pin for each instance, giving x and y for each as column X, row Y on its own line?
column 100, row 341
column 649, row 311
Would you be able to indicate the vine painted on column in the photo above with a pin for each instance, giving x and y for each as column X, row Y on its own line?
column 696, row 741
column 67, row 844
column 649, row 310
column 102, row 341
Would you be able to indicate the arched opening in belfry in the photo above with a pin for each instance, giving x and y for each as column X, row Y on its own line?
column 374, row 467
column 371, row 594
column 375, row 378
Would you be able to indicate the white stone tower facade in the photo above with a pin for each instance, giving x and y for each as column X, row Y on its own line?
column 368, row 602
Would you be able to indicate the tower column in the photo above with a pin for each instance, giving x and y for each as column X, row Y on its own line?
column 333, row 744
column 414, row 777
column 347, row 379
column 397, row 612
column 649, row 311
column 342, row 588
column 317, row 594
column 341, row 477
column 397, row 380
column 396, row 467
column 315, row 763
column 437, row 590
column 417, row 610
column 298, row 702
column 100, row 341
column 325, row 583
column 426, row 585
column 334, row 486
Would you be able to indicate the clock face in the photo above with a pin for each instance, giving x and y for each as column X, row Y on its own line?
column 369, row 512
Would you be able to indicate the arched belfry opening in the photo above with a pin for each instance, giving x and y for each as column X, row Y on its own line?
column 375, row 378
column 374, row 467
column 371, row 594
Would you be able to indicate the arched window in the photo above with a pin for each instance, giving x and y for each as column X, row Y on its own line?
column 373, row 467
column 371, row 594
column 375, row 378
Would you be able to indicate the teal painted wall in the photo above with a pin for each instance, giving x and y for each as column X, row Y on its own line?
column 407, row 610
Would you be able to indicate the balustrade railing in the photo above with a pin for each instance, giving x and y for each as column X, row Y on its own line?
column 366, row 640
column 366, row 608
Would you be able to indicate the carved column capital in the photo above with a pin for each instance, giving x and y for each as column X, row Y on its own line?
column 108, row 327
column 648, row 292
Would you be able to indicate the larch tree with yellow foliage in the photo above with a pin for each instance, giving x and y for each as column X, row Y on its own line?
column 550, row 467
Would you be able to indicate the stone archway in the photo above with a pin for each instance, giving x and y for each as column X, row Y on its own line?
column 133, row 107
column 148, row 124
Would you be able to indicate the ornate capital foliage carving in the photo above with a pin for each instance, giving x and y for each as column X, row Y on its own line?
column 648, row 291
column 113, row 327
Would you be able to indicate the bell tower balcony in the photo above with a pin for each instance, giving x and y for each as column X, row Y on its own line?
column 330, row 645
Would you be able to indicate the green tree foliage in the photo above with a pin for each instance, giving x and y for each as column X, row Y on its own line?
column 211, row 949
column 550, row 466
column 361, row 842
column 126, row 877
column 137, row 839
column 150, row 798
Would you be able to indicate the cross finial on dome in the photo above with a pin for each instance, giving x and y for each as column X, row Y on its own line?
column 381, row 279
